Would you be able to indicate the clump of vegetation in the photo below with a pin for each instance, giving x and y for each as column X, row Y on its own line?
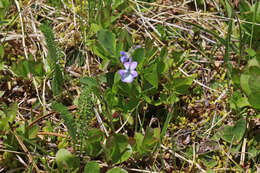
column 129, row 86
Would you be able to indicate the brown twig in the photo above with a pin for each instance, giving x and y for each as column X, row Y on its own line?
column 24, row 149
column 48, row 114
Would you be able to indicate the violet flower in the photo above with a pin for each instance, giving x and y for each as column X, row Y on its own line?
column 125, row 57
column 128, row 74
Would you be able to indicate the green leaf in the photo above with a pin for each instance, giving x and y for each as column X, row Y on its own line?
column 118, row 149
column 138, row 55
column 125, row 41
column 251, row 52
column 67, row 117
column 93, row 143
column 21, row 68
column 2, row 51
column 94, row 28
column 244, row 6
column 254, row 99
column 107, row 40
column 57, row 80
column 254, row 82
column 244, row 78
column 11, row 112
column 2, row 93
column 139, row 141
column 150, row 74
column 163, row 53
column 36, row 68
column 208, row 161
column 150, row 138
column 116, row 3
column 89, row 81
column 236, row 132
column 92, row 167
column 117, row 170
column 50, row 41
column 65, row 159
column 238, row 101
column 181, row 85
column 33, row 132
column 228, row 8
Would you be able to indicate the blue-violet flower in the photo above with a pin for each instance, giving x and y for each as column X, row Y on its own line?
column 128, row 74
column 125, row 57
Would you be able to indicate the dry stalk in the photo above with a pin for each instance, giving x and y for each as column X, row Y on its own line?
column 24, row 149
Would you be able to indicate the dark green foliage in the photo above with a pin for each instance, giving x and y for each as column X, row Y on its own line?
column 53, row 56
column 68, row 119
column 50, row 41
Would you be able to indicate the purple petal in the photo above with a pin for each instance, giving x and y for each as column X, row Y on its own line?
column 128, row 78
column 123, row 53
column 124, row 59
column 130, row 65
column 122, row 72
column 127, row 65
column 134, row 74
column 133, row 65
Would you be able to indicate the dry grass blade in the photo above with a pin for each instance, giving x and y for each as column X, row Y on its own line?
column 183, row 158
column 24, row 149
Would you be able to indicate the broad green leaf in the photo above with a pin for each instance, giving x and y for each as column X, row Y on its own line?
column 181, row 85
column 254, row 99
column 251, row 52
column 234, row 132
column 126, row 154
column 93, row 143
column 150, row 74
column 92, row 167
column 244, row 78
column 117, row 170
column 93, row 149
column 254, row 71
column 254, row 83
column 95, row 135
column 238, row 100
column 138, row 55
column 161, row 67
column 117, row 148
column 107, row 40
column 65, row 159
column 242, row 102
